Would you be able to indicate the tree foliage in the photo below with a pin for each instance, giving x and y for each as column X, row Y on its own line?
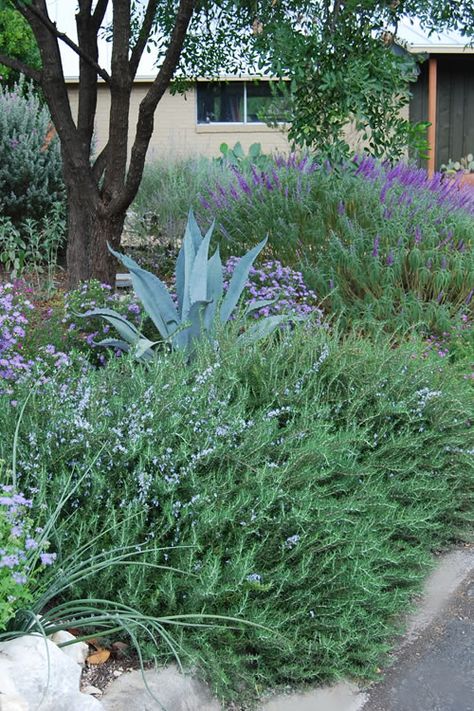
column 16, row 41
column 345, row 64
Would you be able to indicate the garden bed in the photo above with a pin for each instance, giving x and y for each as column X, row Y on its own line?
column 264, row 510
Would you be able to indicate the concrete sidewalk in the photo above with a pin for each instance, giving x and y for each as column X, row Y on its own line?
column 435, row 672
column 433, row 666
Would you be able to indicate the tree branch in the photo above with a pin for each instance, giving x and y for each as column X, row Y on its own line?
column 51, row 26
column 87, row 40
column 145, row 30
column 148, row 105
column 334, row 15
column 19, row 66
column 99, row 12
column 85, row 7
column 100, row 164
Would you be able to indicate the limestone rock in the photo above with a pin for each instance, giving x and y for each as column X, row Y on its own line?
column 12, row 702
column 78, row 651
column 92, row 690
column 173, row 691
column 36, row 669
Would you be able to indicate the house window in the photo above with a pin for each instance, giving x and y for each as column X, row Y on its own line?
column 233, row 101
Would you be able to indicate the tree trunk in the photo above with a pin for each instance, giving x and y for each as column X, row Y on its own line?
column 105, row 230
column 79, row 226
column 90, row 229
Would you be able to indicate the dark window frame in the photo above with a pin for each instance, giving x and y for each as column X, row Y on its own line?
column 244, row 83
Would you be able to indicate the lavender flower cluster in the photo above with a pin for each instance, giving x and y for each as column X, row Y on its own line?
column 289, row 176
column 14, row 309
column 283, row 285
column 22, row 551
column 444, row 191
column 15, row 363
column 91, row 295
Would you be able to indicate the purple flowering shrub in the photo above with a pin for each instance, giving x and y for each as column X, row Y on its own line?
column 23, row 553
column 261, row 202
column 455, row 346
column 272, row 281
column 376, row 242
column 83, row 333
column 18, row 359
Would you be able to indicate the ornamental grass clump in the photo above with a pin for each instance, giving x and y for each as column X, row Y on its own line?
column 301, row 482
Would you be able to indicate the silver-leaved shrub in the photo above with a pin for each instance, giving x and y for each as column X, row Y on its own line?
column 30, row 160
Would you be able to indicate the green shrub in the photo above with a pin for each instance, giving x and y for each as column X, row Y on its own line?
column 32, row 222
column 33, row 244
column 30, row 160
column 309, row 476
column 377, row 244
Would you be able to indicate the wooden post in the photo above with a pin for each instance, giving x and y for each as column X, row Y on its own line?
column 432, row 101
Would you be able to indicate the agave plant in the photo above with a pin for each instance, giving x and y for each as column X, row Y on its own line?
column 200, row 296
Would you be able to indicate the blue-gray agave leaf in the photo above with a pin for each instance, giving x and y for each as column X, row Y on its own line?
column 191, row 244
column 153, row 294
column 215, row 289
column 198, row 276
column 262, row 328
column 127, row 330
column 257, row 305
column 144, row 350
column 239, row 280
column 113, row 343
column 179, row 278
column 193, row 231
column 184, row 338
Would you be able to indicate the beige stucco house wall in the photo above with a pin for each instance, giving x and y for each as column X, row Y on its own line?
column 177, row 132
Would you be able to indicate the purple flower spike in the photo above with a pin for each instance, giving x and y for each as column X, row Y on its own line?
column 375, row 250
column 390, row 259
